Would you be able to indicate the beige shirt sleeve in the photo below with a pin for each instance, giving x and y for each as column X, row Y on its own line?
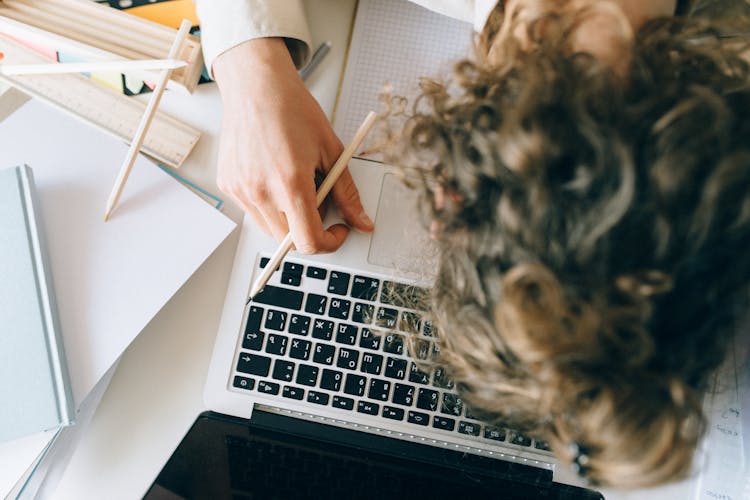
column 228, row 23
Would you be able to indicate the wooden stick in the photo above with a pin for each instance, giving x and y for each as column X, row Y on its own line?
column 113, row 33
column 110, row 16
column 325, row 187
column 148, row 115
column 33, row 18
column 89, row 67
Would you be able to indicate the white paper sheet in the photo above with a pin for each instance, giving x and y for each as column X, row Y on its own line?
column 726, row 473
column 110, row 278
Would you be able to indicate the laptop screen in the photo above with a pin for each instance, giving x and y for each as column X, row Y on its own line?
column 275, row 456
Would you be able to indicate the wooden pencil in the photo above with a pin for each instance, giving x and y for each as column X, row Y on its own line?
column 325, row 187
column 89, row 67
column 148, row 115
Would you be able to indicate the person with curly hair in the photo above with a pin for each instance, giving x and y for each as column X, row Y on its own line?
column 586, row 176
column 592, row 213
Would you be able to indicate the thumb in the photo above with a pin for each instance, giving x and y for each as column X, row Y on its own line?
column 346, row 197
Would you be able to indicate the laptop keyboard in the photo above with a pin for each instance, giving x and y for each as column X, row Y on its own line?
column 340, row 343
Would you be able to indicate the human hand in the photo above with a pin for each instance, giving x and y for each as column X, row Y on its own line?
column 274, row 138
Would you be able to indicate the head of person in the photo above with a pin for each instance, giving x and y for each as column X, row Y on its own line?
column 587, row 179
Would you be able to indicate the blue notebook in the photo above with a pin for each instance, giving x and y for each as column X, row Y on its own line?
column 34, row 387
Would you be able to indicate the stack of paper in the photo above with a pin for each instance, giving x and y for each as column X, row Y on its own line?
column 110, row 278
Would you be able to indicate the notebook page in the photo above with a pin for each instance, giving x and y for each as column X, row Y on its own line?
column 725, row 469
column 396, row 42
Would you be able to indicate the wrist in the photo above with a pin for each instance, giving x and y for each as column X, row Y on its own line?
column 256, row 61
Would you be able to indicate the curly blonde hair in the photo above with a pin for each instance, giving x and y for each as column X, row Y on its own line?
column 593, row 230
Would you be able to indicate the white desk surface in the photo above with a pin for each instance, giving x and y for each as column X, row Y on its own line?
column 156, row 393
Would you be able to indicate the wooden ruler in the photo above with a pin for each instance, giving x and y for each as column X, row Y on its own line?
column 169, row 141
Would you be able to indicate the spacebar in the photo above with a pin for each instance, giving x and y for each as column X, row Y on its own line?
column 281, row 297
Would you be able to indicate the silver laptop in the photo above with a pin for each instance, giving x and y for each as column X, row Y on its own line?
column 322, row 344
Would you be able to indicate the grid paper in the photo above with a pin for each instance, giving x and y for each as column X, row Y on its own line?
column 396, row 42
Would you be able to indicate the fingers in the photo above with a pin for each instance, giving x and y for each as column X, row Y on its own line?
column 344, row 193
column 346, row 197
column 306, row 225
column 275, row 221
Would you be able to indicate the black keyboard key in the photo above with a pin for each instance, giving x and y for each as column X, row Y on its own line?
column 346, row 334
column 395, row 368
column 444, row 423
column 469, row 428
column 394, row 344
column 268, row 387
column 403, row 394
column 253, row 341
column 440, row 379
column 408, row 296
column 541, row 445
column 330, row 380
column 324, row 354
column 518, row 438
column 291, row 279
column 283, row 370
column 343, row 403
column 422, row 348
column 264, row 262
column 494, row 433
column 418, row 418
column 393, row 413
column 390, row 293
column 322, row 329
column 254, row 319
column 292, row 268
column 339, row 308
column 410, row 322
column 427, row 399
column 300, row 349
column 418, row 376
column 365, row 288
column 316, row 304
column 243, row 383
column 254, row 364
column 386, row 318
column 275, row 320
column 452, row 405
column 316, row 273
column 318, row 398
column 281, row 297
column 371, row 363
column 338, row 283
column 368, row 407
column 307, row 375
column 299, row 325
column 348, row 358
column 379, row 389
column 293, row 393
column 363, row 313
column 276, row 344
column 355, row 384
column 369, row 339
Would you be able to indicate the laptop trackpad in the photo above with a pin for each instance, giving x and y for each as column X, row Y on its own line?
column 400, row 240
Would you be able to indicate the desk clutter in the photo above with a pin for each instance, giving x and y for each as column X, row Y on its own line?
column 85, row 30
column 101, row 283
